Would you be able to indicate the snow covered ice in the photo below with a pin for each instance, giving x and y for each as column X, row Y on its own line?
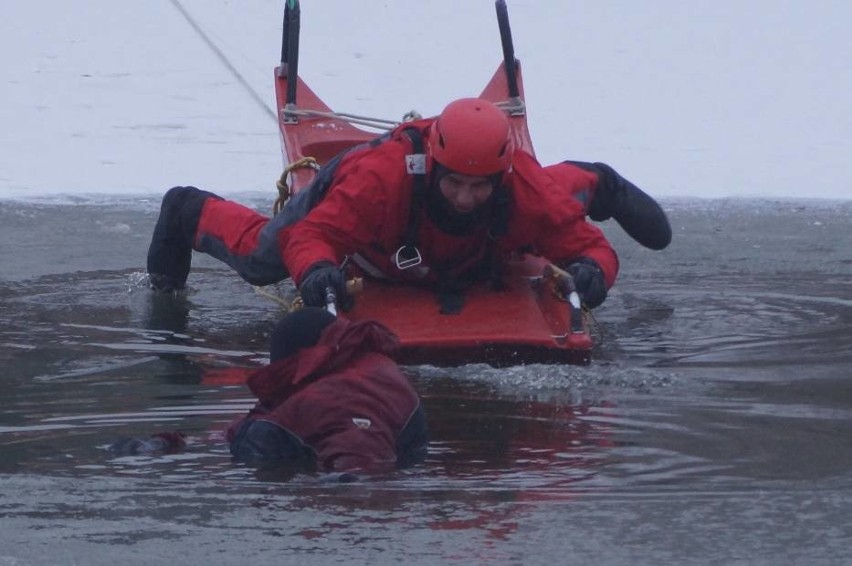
column 686, row 99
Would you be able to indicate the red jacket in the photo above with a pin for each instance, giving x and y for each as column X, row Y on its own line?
column 366, row 211
column 344, row 398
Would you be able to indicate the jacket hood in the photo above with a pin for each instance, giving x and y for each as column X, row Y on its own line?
column 341, row 343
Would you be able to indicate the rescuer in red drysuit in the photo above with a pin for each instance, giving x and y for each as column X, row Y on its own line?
column 438, row 200
column 331, row 397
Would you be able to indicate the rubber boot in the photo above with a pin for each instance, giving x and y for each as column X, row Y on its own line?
column 170, row 252
column 634, row 210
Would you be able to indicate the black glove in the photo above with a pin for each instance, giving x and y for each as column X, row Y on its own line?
column 321, row 279
column 162, row 442
column 589, row 281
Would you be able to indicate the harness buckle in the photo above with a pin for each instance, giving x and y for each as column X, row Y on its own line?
column 405, row 261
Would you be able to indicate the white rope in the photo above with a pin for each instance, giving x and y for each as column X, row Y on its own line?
column 259, row 100
column 352, row 118
column 509, row 106
column 513, row 106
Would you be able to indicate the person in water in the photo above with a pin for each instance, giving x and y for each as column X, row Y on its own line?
column 331, row 398
column 439, row 201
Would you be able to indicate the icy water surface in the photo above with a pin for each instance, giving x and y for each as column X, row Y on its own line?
column 712, row 427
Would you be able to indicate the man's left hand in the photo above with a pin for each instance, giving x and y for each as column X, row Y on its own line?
column 589, row 281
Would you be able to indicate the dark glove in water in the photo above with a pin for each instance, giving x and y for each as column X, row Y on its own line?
column 321, row 278
column 589, row 281
column 160, row 442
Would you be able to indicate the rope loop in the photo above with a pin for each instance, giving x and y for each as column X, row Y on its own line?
column 284, row 190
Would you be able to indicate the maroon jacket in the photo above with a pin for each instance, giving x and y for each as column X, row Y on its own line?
column 344, row 398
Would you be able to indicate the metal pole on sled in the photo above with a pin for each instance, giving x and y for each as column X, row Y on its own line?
column 510, row 64
column 290, row 56
column 517, row 108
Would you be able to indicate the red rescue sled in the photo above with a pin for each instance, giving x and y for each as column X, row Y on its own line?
column 527, row 322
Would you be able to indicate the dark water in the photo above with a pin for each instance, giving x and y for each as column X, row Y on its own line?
column 712, row 427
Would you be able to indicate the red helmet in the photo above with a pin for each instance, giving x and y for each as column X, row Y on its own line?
column 471, row 137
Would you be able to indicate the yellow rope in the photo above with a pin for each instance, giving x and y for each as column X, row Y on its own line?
column 294, row 305
column 284, row 190
column 595, row 328
column 353, row 286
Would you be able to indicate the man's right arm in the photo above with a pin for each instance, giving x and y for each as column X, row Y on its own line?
column 344, row 222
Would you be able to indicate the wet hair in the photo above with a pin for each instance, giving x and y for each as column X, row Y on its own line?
column 297, row 330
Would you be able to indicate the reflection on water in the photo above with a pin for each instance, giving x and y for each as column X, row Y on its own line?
column 717, row 403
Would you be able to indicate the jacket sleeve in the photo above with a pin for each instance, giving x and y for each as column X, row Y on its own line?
column 349, row 217
column 588, row 242
column 553, row 218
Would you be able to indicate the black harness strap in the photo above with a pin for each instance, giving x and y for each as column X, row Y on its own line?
column 409, row 250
